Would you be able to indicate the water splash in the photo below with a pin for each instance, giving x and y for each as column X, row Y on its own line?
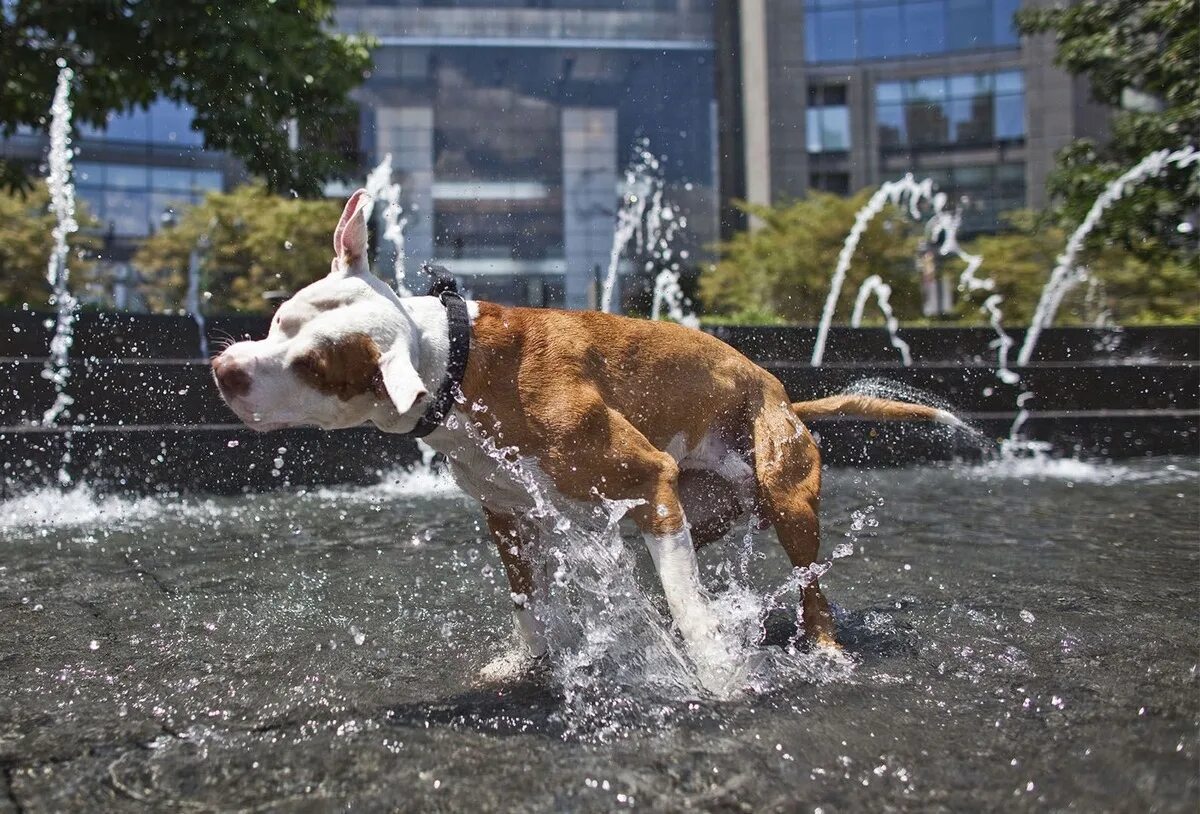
column 380, row 187
column 613, row 651
column 883, row 293
column 193, row 301
column 941, row 230
column 62, row 205
column 636, row 191
column 648, row 226
column 893, row 192
column 1067, row 272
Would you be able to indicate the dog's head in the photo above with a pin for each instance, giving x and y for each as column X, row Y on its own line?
column 339, row 353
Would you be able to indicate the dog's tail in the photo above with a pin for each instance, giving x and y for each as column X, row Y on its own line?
column 858, row 406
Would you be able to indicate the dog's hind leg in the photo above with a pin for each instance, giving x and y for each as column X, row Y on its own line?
column 624, row 465
column 514, row 554
column 788, row 469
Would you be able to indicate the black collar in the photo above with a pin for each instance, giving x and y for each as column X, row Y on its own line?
column 459, row 324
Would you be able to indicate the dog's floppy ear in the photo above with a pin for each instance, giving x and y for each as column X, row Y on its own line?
column 401, row 384
column 350, row 236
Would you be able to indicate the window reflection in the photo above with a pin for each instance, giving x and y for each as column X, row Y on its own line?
column 130, row 199
column 964, row 109
column 163, row 122
column 982, row 192
column 827, row 119
column 850, row 30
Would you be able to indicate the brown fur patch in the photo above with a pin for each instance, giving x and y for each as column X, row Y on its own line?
column 346, row 368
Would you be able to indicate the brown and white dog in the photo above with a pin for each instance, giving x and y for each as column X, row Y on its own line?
column 601, row 405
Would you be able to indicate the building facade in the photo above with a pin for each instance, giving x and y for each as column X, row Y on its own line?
column 839, row 95
column 509, row 123
column 136, row 174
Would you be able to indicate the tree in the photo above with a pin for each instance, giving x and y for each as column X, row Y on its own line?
column 250, row 242
column 25, row 243
column 248, row 69
column 782, row 270
column 1143, row 59
column 1123, row 287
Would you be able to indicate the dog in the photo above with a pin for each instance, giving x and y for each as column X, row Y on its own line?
column 600, row 406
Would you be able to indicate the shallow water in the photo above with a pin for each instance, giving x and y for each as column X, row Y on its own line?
column 1018, row 634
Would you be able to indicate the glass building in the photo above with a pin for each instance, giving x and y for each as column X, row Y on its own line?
column 510, row 124
column 136, row 173
column 840, row 95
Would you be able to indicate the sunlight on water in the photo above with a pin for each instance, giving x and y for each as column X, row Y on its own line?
column 1042, row 467
column 420, row 481
column 53, row 508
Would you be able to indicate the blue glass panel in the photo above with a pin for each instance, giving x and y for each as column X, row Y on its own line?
column 206, row 180
column 882, row 35
column 924, row 27
column 171, row 178
column 88, row 174
column 812, row 129
column 1003, row 30
column 889, row 92
column 171, row 123
column 970, row 86
column 125, row 176
column 969, row 24
column 1009, row 81
column 927, row 89
column 1010, row 116
column 970, row 120
column 835, row 37
column 835, row 129
column 891, row 125
column 131, row 126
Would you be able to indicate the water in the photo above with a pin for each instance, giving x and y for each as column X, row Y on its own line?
column 1067, row 272
column 58, row 274
column 392, row 220
column 1017, row 635
column 647, row 227
column 883, row 297
column 193, row 299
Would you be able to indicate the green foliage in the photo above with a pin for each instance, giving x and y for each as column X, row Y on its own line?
column 782, row 270
column 258, row 242
column 1144, row 56
column 26, row 239
column 1131, row 290
column 247, row 68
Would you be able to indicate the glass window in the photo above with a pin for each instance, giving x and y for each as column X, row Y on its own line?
column 835, row 129
column 891, row 125
column 887, row 28
column 927, row 89
column 125, row 176
column 163, row 122
column 951, row 110
column 828, row 129
column 969, row 24
column 889, row 92
column 924, row 28
column 171, row 178
column 882, row 35
column 1004, row 31
column 1009, row 82
column 1010, row 116
column 832, row 35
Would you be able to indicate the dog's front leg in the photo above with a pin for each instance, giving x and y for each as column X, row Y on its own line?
column 514, row 553
column 675, row 561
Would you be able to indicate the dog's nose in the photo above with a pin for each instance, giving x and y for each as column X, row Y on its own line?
column 232, row 378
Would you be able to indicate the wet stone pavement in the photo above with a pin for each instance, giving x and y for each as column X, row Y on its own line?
column 1018, row 636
